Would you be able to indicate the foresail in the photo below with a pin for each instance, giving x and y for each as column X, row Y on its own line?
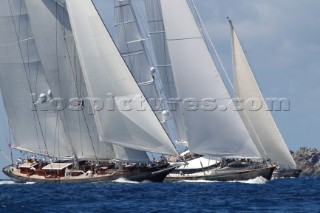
column 260, row 123
column 212, row 131
column 22, row 80
column 50, row 22
column 106, row 73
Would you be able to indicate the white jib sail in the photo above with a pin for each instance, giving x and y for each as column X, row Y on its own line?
column 105, row 72
column 260, row 123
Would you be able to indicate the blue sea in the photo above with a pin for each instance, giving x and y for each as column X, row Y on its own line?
column 258, row 195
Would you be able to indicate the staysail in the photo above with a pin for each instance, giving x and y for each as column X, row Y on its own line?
column 260, row 123
column 108, row 78
column 214, row 130
column 35, row 128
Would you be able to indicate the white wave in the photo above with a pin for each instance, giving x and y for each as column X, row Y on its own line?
column 197, row 181
column 10, row 182
column 29, row 183
column 7, row 182
column 257, row 180
column 123, row 180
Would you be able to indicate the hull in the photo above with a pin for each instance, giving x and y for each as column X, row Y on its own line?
column 286, row 173
column 155, row 174
column 226, row 174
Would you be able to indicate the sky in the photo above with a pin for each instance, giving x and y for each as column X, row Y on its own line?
column 281, row 39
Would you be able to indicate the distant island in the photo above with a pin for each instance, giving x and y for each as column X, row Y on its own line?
column 308, row 160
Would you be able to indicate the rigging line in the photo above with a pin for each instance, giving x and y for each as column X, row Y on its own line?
column 59, row 81
column 58, row 129
column 175, row 124
column 77, row 90
column 62, row 20
column 161, row 94
column 167, row 61
column 211, row 44
column 127, row 65
column 9, row 136
column 121, row 19
column 26, row 72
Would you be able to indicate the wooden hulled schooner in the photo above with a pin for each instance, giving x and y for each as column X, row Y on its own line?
column 65, row 89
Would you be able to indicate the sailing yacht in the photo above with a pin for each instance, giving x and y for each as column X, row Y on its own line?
column 260, row 123
column 65, row 89
column 182, row 64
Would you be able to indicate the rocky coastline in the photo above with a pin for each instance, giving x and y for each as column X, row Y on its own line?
column 308, row 160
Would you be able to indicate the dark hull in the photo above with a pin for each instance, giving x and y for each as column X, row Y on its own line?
column 156, row 174
column 286, row 173
column 236, row 175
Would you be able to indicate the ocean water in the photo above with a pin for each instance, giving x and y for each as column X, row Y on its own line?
column 258, row 195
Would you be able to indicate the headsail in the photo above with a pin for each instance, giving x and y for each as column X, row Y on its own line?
column 106, row 72
column 216, row 132
column 260, row 123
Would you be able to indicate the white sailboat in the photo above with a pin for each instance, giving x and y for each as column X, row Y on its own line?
column 59, row 50
column 187, row 71
column 260, row 123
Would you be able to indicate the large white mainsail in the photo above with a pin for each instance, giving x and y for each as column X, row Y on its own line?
column 217, row 132
column 106, row 72
column 51, row 27
column 22, row 80
column 260, row 123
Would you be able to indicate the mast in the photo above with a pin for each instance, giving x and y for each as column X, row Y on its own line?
column 260, row 123
column 159, row 48
column 136, row 49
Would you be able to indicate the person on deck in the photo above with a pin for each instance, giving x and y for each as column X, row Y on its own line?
column 67, row 172
column 89, row 174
